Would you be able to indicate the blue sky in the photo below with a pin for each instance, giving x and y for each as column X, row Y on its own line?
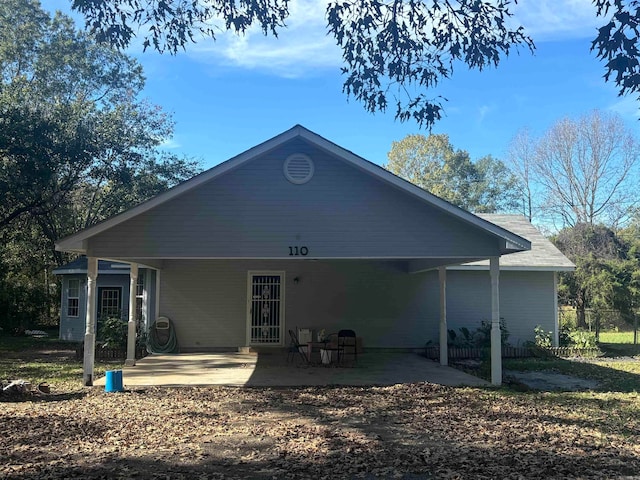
column 229, row 95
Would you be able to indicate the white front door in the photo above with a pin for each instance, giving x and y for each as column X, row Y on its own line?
column 265, row 325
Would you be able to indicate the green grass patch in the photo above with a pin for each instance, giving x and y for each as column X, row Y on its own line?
column 63, row 375
column 617, row 337
column 45, row 359
column 9, row 343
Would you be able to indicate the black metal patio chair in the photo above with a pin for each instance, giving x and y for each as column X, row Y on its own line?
column 347, row 345
column 295, row 347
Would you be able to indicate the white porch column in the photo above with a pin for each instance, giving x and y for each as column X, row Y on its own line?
column 131, row 325
column 444, row 352
column 90, row 322
column 556, row 317
column 496, row 337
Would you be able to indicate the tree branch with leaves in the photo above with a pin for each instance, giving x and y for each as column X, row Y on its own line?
column 394, row 52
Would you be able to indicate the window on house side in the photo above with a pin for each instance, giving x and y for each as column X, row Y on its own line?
column 139, row 296
column 73, row 298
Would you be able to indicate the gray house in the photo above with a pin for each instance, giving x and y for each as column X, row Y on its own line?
column 299, row 232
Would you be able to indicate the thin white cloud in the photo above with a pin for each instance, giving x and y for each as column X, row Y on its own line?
column 300, row 48
column 170, row 144
column 627, row 107
column 483, row 111
column 304, row 45
column 546, row 20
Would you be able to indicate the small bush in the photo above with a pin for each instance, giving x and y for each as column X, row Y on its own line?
column 543, row 339
column 463, row 340
column 582, row 339
column 479, row 338
column 113, row 332
column 568, row 337
column 564, row 336
column 483, row 334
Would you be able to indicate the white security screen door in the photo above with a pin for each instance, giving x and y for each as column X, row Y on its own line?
column 266, row 299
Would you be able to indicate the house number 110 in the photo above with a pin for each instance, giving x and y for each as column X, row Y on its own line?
column 298, row 251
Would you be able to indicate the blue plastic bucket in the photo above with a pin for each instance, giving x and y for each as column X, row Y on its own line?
column 113, row 381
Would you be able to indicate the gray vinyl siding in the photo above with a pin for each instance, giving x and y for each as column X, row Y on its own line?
column 526, row 300
column 254, row 212
column 388, row 308
column 73, row 328
column 207, row 301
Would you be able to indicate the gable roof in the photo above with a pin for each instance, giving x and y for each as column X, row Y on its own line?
column 511, row 241
column 543, row 256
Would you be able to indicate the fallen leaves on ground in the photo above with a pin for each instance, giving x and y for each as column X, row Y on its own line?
column 402, row 431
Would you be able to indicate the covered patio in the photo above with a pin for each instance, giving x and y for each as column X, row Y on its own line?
column 272, row 370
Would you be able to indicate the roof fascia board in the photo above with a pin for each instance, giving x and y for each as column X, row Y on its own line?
column 524, row 268
column 76, row 271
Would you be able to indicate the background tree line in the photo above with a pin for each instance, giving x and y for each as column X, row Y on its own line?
column 577, row 182
column 78, row 144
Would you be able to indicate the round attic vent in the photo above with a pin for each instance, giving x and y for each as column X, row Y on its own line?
column 298, row 168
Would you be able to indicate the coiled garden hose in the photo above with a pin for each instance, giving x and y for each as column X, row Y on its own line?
column 155, row 345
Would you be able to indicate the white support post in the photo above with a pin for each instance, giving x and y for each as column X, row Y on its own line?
column 131, row 325
column 444, row 352
column 556, row 313
column 496, row 337
column 90, row 322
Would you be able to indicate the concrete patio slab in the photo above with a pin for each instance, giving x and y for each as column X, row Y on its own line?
column 272, row 370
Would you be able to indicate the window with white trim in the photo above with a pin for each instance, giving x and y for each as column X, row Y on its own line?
column 139, row 296
column 73, row 298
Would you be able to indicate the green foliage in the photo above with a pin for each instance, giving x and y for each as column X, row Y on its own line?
column 582, row 339
column 564, row 335
column 607, row 275
column 567, row 337
column 431, row 162
column 112, row 332
column 479, row 338
column 464, row 340
column 543, row 339
column 72, row 124
column 77, row 145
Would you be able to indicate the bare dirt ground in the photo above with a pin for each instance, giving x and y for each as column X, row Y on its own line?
column 412, row 431
column 403, row 431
